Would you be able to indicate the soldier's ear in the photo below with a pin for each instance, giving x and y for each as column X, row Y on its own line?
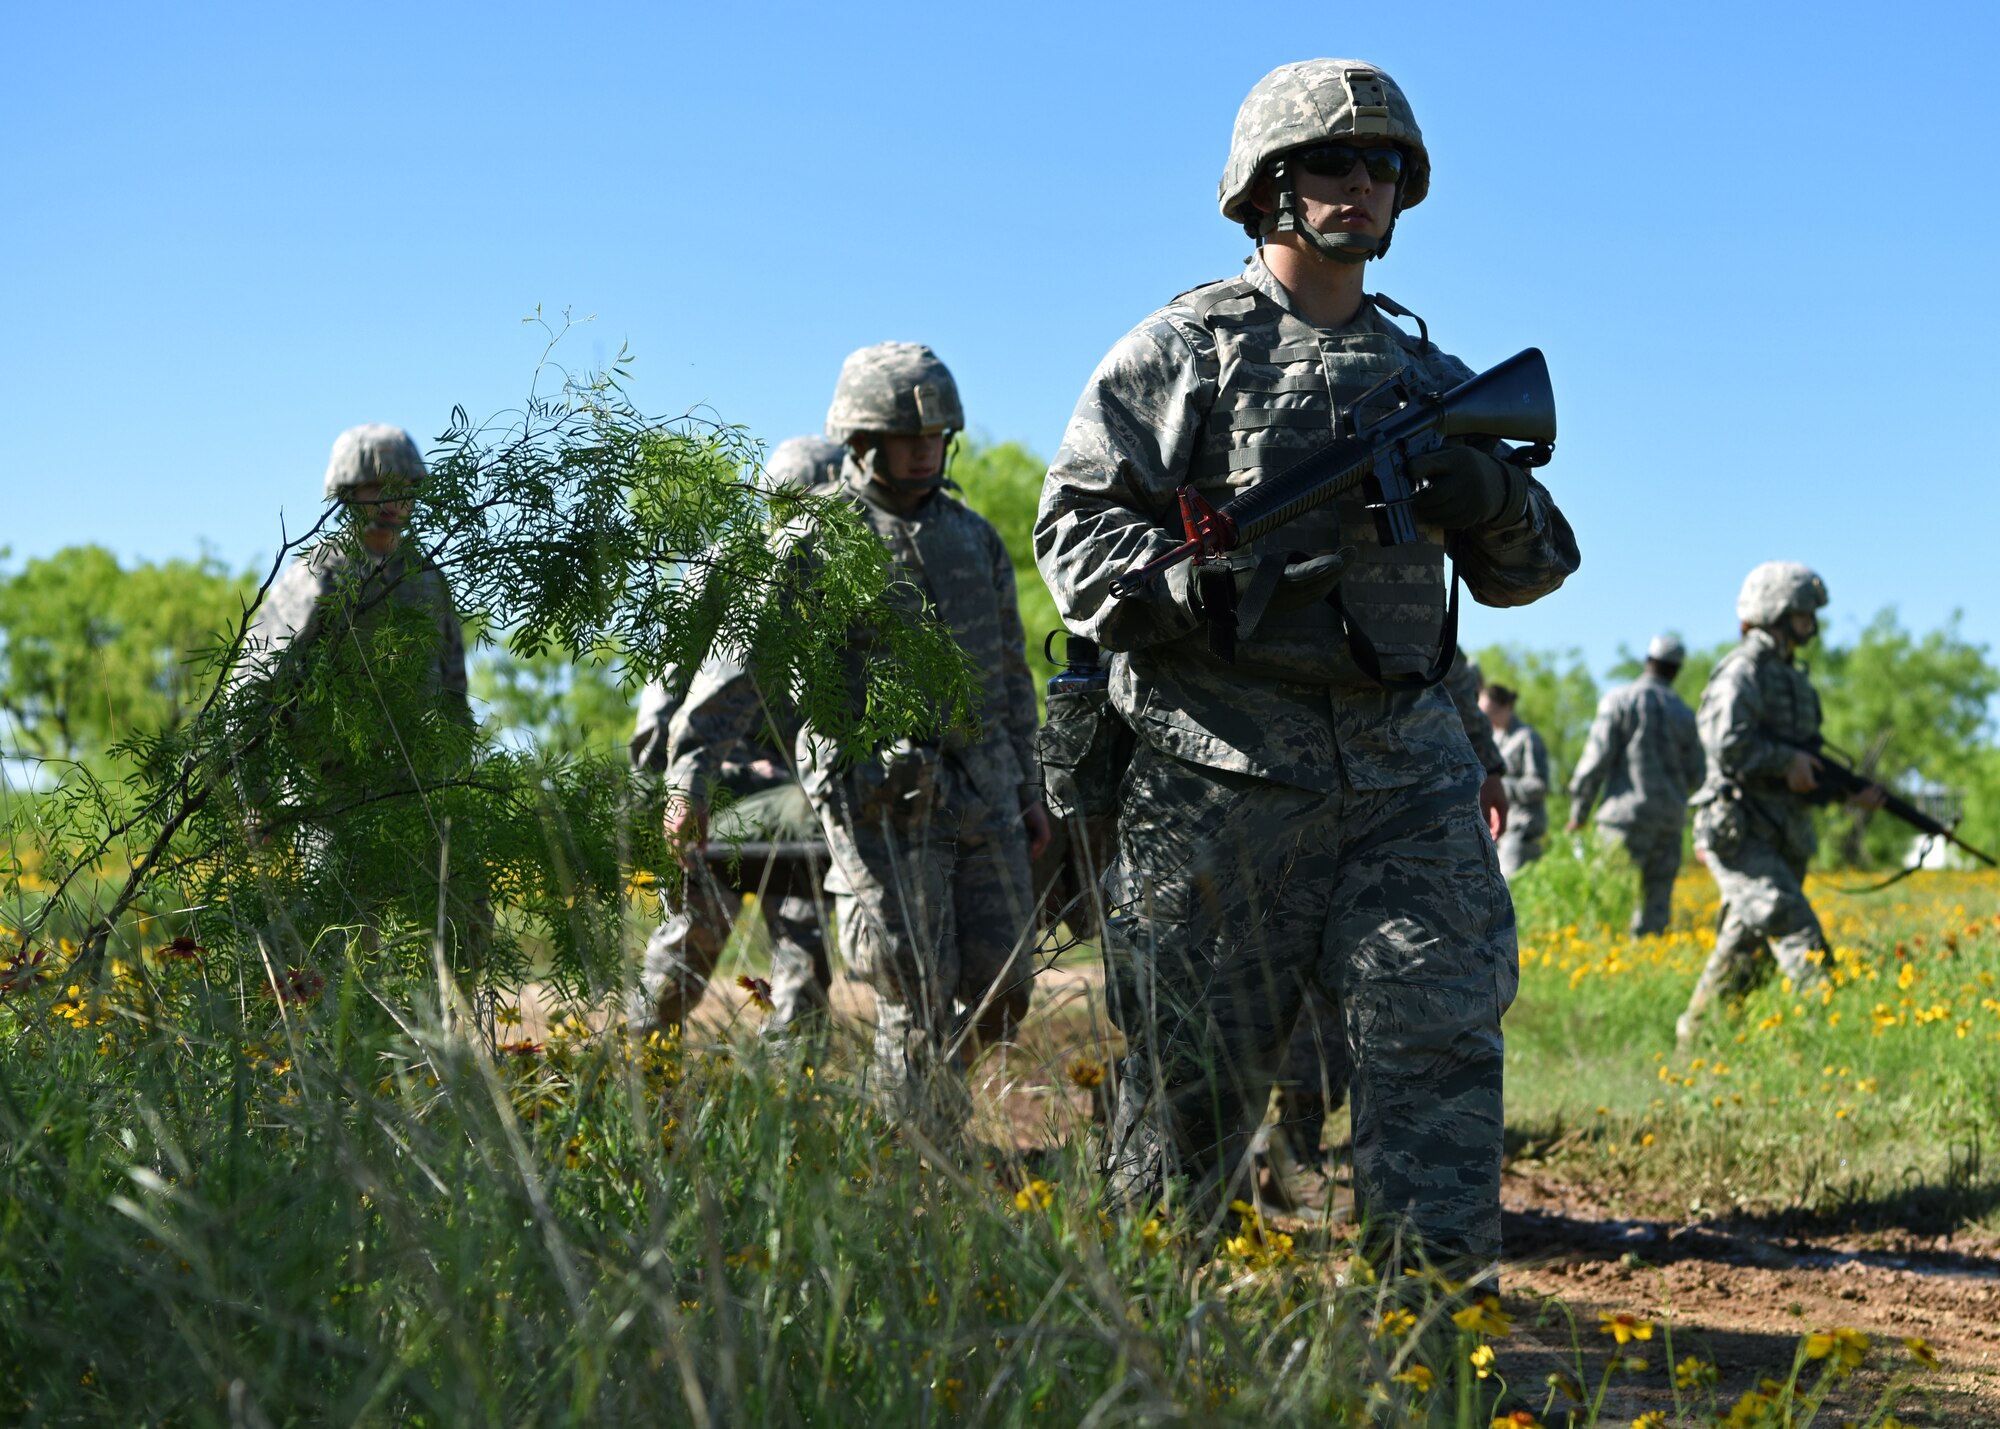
column 1263, row 194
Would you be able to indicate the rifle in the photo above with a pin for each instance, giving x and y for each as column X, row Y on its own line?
column 1511, row 402
column 1839, row 782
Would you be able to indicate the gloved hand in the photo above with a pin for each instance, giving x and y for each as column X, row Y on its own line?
column 1461, row 487
column 1308, row 581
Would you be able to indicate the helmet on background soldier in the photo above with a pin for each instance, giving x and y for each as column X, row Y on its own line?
column 1313, row 102
column 890, row 389
column 373, row 454
column 1775, row 590
column 801, row 463
column 1667, row 649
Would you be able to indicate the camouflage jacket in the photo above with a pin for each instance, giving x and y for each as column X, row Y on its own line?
column 1643, row 756
column 1164, row 408
column 1759, row 690
column 1526, row 778
column 338, row 590
column 951, row 556
column 722, row 727
column 1463, row 683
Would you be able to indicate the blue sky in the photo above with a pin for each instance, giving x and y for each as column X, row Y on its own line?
column 1753, row 240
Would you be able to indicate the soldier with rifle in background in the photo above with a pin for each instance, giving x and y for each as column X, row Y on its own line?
column 1301, row 810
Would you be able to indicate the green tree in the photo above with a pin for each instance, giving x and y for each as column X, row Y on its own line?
column 1003, row 483
column 558, row 705
column 92, row 651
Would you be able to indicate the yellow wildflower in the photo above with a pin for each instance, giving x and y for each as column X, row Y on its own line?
column 1624, row 1327
column 1037, row 1195
column 1921, row 1351
column 1484, row 1317
column 1086, row 1072
column 1396, row 1323
column 1418, row 1375
column 1482, row 1360
column 1693, row 1372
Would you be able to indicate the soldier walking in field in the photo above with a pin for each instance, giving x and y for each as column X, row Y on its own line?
column 1644, row 757
column 1305, row 815
column 931, row 841
column 1525, row 777
column 1753, row 823
column 369, row 619
column 718, row 735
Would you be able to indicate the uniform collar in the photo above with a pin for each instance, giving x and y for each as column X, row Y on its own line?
column 1257, row 273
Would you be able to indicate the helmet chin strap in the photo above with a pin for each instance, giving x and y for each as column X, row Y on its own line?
column 1339, row 247
column 875, row 470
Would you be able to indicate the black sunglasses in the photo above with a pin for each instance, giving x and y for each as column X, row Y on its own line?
column 1336, row 161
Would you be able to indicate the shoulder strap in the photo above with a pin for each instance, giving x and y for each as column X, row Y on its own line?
column 1389, row 305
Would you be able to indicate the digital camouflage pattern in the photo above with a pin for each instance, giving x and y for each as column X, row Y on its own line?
column 801, row 463
column 1775, row 588
column 894, row 387
column 1644, row 758
column 1525, row 777
column 725, row 742
column 1317, row 1068
column 930, row 858
column 373, row 452
column 1287, row 821
column 1754, row 834
column 1311, row 102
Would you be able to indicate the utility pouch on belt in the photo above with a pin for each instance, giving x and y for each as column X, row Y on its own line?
column 1085, row 745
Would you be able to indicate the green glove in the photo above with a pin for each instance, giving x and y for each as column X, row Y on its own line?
column 1462, row 487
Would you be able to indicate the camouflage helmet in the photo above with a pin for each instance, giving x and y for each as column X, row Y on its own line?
column 372, row 453
column 1313, row 102
column 1667, row 649
column 894, row 387
column 1775, row 589
column 801, row 463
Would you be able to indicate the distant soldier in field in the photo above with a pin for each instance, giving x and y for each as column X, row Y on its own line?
column 1312, row 1084
column 1644, row 757
column 381, row 613
column 931, row 841
column 1753, row 823
column 1305, row 815
column 1526, row 779
column 716, row 734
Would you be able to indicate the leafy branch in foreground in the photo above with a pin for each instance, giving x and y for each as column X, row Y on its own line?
column 322, row 785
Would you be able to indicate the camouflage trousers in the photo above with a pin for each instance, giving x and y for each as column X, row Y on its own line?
column 1763, row 905
column 681, row 955
column 1655, row 850
column 1233, row 898
column 1518, row 849
column 1313, row 1078
column 937, row 919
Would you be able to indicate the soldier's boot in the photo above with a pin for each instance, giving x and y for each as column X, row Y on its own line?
column 1293, row 1166
column 912, row 1081
column 680, row 957
column 1735, row 967
column 801, row 977
column 1800, row 956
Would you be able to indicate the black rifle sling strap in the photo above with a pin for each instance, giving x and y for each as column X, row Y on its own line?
column 1370, row 660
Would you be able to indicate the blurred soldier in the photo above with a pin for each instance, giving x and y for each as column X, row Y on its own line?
column 1753, row 824
column 1291, row 821
column 1644, row 756
column 931, row 841
column 1526, row 779
column 1312, row 1084
column 382, row 612
column 717, row 734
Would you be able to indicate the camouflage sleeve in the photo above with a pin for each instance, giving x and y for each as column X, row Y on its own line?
column 1521, row 563
column 1110, row 493
column 451, row 655
column 1462, row 683
column 1732, row 720
column 715, row 721
column 1694, row 760
column 1593, row 767
column 1017, row 682
column 290, row 616
column 1528, row 775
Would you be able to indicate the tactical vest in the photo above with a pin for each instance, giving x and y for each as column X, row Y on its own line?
column 1279, row 384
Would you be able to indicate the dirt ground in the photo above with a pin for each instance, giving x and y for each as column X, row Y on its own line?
column 1738, row 1295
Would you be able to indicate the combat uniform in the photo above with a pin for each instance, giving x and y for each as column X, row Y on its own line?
column 1526, row 780
column 933, row 893
column 1287, row 821
column 1313, row 1080
column 1644, row 757
column 1753, row 832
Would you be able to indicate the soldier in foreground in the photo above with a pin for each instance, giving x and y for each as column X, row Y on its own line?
column 1290, row 820
column 931, row 841
column 1753, row 823
column 383, row 612
column 719, row 734
column 1525, row 777
column 1644, row 757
